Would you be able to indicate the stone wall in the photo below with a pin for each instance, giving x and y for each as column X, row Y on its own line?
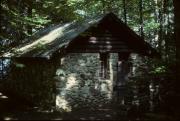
column 78, row 83
column 71, row 82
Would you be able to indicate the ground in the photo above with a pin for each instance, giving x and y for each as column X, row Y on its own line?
column 13, row 109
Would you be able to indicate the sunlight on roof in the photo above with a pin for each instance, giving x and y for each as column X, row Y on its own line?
column 50, row 37
column 93, row 21
column 47, row 38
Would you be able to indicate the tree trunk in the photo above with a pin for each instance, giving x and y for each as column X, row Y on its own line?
column 141, row 18
column 177, row 34
column 160, row 17
column 29, row 14
column 125, row 13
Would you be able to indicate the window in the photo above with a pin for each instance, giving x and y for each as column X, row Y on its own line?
column 104, row 68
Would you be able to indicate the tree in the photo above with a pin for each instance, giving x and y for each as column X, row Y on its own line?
column 141, row 17
column 177, row 34
column 153, row 20
column 124, row 7
column 176, row 4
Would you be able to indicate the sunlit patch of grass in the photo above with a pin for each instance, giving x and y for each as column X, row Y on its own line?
column 7, row 118
column 58, row 119
column 4, row 97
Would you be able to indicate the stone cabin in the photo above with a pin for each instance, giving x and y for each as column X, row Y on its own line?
column 75, row 64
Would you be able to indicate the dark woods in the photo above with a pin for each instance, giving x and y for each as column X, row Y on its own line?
column 155, row 87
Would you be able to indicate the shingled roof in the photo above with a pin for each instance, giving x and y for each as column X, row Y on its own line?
column 46, row 42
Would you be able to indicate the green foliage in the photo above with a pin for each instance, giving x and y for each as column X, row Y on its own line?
column 151, row 25
column 159, row 70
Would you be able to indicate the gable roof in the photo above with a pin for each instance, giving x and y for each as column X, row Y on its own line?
column 50, row 40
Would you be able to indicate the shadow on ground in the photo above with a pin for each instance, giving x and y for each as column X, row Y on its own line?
column 14, row 109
